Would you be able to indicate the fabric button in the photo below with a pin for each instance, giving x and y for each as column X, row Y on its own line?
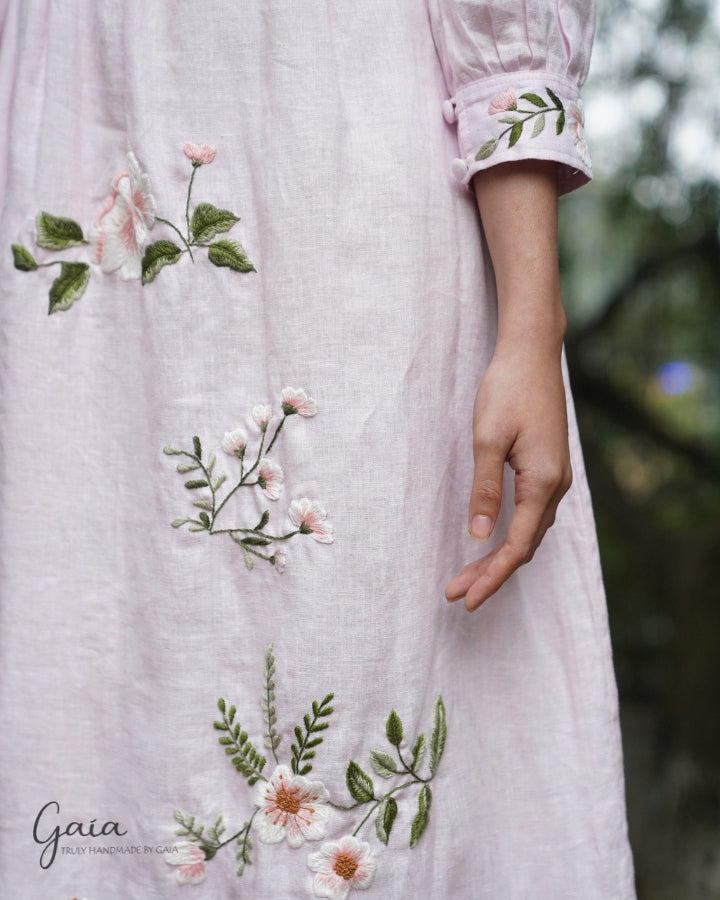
column 448, row 111
column 459, row 168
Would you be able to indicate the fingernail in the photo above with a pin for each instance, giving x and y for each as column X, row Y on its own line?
column 480, row 527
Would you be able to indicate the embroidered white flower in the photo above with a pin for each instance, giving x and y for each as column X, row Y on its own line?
column 295, row 400
column 262, row 415
column 270, row 478
column 235, row 442
column 340, row 866
column 199, row 153
column 291, row 806
column 309, row 516
column 577, row 124
column 124, row 222
column 191, row 862
column 503, row 102
column 279, row 557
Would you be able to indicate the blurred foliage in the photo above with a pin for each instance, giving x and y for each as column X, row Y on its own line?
column 640, row 253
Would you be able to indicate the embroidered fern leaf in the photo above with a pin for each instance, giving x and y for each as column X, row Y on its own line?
column 243, row 854
column 271, row 736
column 246, row 759
column 307, row 738
column 188, row 826
column 215, row 831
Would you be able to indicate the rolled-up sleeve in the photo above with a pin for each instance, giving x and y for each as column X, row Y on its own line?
column 514, row 72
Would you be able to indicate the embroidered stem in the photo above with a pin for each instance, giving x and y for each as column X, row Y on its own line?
column 196, row 166
column 246, row 829
column 271, row 537
column 379, row 800
column 179, row 234
column 275, row 436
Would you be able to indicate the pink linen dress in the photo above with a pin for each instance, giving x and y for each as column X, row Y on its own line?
column 237, row 458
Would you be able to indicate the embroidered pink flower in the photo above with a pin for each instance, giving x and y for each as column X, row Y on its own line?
column 270, row 478
column 295, row 400
column 191, row 861
column 235, row 442
column 309, row 516
column 124, row 222
column 577, row 124
column 278, row 559
column 262, row 415
column 503, row 102
column 200, row 154
column 292, row 807
column 340, row 866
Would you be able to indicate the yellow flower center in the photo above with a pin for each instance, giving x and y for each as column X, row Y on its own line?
column 345, row 866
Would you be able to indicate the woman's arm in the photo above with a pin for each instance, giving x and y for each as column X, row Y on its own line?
column 520, row 413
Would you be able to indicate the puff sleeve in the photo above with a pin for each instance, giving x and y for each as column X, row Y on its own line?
column 514, row 71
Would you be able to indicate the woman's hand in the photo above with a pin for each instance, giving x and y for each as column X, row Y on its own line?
column 520, row 413
column 520, row 418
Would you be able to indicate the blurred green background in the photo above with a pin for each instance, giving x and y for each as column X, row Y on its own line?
column 640, row 254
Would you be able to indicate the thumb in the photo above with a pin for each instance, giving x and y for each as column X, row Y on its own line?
column 486, row 494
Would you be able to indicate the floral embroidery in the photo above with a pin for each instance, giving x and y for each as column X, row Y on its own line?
column 119, row 239
column 505, row 105
column 340, row 866
column 291, row 807
column 308, row 516
column 577, row 123
column 190, row 858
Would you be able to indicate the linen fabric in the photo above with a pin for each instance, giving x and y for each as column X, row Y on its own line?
column 339, row 277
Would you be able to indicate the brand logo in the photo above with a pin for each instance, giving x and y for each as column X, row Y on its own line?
column 48, row 832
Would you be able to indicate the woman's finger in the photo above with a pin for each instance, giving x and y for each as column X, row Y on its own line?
column 486, row 494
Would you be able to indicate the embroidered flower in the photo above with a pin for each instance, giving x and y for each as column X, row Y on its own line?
column 295, row 400
column 309, row 517
column 503, row 102
column 235, row 442
column 577, row 123
column 340, row 866
column 278, row 558
column 270, row 478
column 292, row 807
column 124, row 221
column 262, row 415
column 200, row 154
column 191, row 861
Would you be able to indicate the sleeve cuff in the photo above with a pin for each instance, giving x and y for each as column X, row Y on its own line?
column 521, row 115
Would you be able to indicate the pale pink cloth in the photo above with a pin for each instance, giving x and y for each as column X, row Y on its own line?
column 373, row 296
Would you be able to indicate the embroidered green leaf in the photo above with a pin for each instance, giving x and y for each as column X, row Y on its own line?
column 383, row 764
column 197, row 528
column 555, row 99
column 264, row 519
column 387, row 812
column 560, row 124
column 534, row 99
column 509, row 120
column 205, row 519
column 302, row 751
column 211, row 462
column 271, row 736
column 176, row 523
column 243, row 855
column 487, row 149
column 196, row 483
column 247, row 556
column 359, row 783
column 172, row 451
column 184, row 468
column 156, row 257
column 69, row 286
column 438, row 736
column 208, row 220
column 515, row 133
column 221, row 705
column 394, row 729
column 237, row 744
column 219, row 481
column 420, row 822
column 203, row 504
column 255, row 541
column 23, row 259
column 188, row 826
column 231, row 255
column 418, row 753
column 539, row 125
column 197, row 446
column 56, row 233
column 215, row 831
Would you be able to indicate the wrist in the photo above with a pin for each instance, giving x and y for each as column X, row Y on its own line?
column 531, row 328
